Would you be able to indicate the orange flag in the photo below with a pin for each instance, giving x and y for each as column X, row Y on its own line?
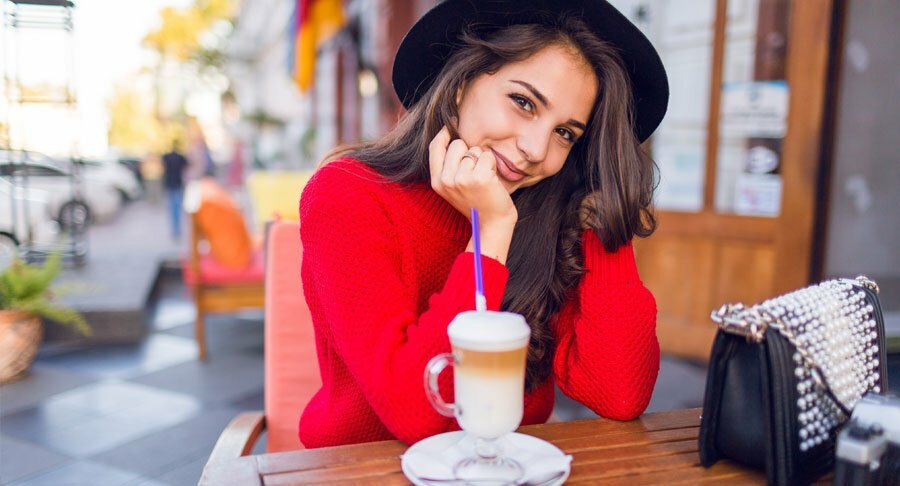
column 315, row 22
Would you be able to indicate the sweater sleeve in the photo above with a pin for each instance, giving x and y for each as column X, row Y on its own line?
column 607, row 354
column 353, row 272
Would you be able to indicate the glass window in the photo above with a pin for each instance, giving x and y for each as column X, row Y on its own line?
column 40, row 171
column 753, row 109
column 682, row 32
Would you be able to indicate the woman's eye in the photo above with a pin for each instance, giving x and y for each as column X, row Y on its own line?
column 522, row 101
column 566, row 134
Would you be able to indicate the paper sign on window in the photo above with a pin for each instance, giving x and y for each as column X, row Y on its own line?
column 755, row 109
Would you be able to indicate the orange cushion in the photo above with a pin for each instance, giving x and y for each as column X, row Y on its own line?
column 222, row 225
column 292, row 370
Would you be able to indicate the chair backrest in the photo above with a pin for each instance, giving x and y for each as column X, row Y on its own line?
column 275, row 192
column 291, row 368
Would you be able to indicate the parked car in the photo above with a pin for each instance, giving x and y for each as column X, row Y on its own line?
column 23, row 219
column 117, row 174
column 134, row 165
column 72, row 203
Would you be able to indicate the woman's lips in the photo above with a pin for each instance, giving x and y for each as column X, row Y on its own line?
column 506, row 169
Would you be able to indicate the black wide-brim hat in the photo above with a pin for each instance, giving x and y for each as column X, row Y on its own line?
column 434, row 37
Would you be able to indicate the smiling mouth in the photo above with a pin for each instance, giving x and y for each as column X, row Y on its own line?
column 507, row 169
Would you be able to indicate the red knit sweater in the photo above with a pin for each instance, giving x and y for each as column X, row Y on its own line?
column 385, row 271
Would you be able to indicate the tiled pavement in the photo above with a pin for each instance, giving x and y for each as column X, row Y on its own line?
column 136, row 414
column 146, row 413
column 149, row 414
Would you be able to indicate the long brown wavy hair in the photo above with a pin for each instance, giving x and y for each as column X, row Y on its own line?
column 607, row 172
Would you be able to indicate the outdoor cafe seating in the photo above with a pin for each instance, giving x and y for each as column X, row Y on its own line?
column 655, row 448
column 224, row 270
column 663, row 447
column 225, row 266
column 291, row 370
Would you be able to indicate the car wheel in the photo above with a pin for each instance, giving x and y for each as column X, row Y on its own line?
column 9, row 249
column 74, row 216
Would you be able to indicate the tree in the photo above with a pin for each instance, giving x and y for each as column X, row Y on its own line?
column 190, row 35
column 133, row 126
column 181, row 30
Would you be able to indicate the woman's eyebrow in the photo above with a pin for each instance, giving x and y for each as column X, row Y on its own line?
column 544, row 101
column 577, row 124
column 534, row 91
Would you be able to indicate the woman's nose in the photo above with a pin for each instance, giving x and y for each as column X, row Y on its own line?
column 533, row 144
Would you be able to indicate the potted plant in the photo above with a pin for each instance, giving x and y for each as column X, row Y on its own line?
column 26, row 298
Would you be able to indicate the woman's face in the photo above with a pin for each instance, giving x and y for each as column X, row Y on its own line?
column 529, row 113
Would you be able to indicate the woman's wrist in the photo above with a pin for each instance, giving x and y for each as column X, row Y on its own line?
column 496, row 237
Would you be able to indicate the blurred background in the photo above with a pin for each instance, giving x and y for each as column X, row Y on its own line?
column 778, row 167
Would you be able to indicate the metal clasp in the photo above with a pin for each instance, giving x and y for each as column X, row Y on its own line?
column 730, row 318
column 868, row 283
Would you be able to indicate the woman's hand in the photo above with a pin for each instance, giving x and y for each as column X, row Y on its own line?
column 466, row 177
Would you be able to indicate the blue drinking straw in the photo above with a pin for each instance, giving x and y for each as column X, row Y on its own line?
column 480, row 300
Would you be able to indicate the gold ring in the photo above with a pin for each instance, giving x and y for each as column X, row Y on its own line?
column 470, row 155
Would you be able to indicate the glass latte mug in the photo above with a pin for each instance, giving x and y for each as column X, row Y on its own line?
column 488, row 356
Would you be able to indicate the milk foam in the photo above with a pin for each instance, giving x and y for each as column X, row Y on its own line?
column 489, row 331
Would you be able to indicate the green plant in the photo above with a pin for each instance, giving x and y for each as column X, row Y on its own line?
column 26, row 288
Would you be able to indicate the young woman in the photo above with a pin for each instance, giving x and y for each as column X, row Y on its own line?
column 532, row 112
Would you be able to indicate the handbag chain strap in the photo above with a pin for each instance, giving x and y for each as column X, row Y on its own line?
column 751, row 323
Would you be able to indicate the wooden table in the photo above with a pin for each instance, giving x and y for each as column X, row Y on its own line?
column 656, row 448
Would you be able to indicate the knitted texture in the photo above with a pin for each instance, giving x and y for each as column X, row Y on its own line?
column 385, row 271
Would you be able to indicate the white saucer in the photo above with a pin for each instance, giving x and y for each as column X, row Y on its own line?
column 435, row 456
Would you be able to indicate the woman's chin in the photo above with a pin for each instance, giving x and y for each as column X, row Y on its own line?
column 512, row 187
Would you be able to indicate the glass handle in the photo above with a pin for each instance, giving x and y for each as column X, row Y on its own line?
column 432, row 370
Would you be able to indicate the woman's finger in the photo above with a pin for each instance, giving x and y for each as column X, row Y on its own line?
column 437, row 151
column 486, row 165
column 467, row 162
column 473, row 154
column 466, row 169
column 455, row 152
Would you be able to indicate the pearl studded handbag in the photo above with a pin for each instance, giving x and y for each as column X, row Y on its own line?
column 784, row 375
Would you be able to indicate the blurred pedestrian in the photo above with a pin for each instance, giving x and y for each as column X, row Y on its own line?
column 174, row 166
column 236, row 167
column 198, row 153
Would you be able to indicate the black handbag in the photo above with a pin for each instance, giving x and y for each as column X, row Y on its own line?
column 785, row 374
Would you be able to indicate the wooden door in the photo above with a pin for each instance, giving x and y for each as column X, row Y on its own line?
column 738, row 155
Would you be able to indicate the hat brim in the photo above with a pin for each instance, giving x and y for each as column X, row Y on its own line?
column 435, row 36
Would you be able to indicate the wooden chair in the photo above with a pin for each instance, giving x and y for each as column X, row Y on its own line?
column 291, row 368
column 217, row 288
